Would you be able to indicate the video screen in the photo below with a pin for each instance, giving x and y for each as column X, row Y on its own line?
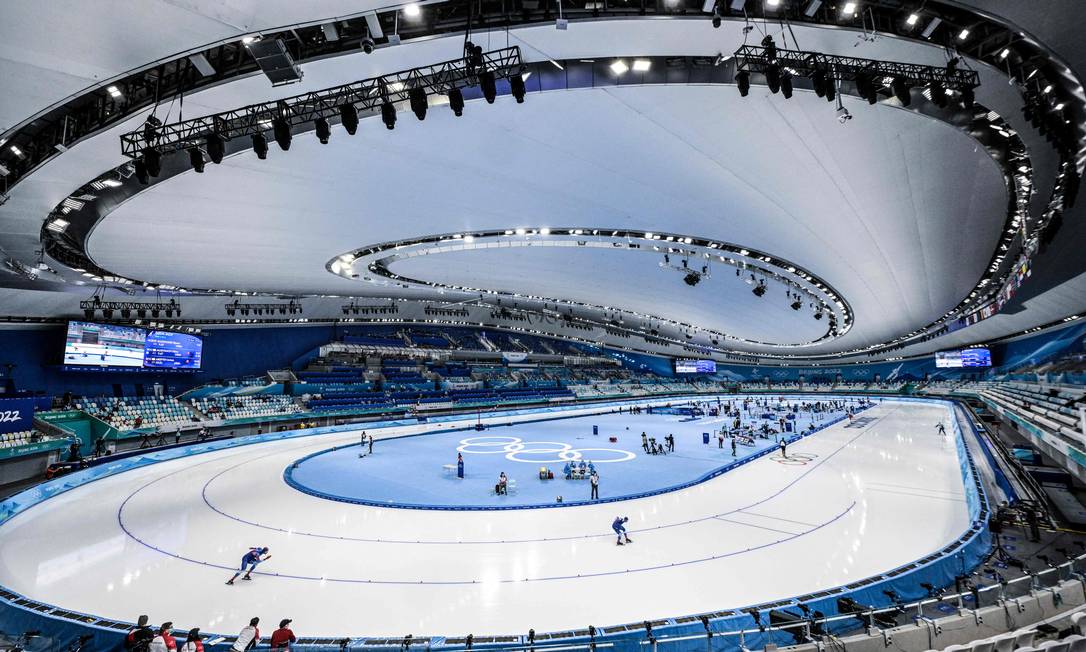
column 688, row 366
column 107, row 345
column 171, row 350
column 104, row 345
column 978, row 357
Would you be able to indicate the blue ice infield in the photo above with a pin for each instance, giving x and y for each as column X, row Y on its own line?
column 419, row 471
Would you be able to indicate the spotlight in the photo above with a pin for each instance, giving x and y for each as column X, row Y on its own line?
column 938, row 94
column 417, row 98
column 196, row 158
column 531, row 637
column 281, row 131
column 901, row 89
column 324, row 131
column 88, row 313
column 141, row 172
column 153, row 158
column 818, row 315
column 126, row 313
column 260, row 146
column 773, row 78
column 786, row 86
column 456, row 102
column 388, row 114
column 796, row 305
column 368, row 45
column 216, row 148
column 490, row 90
column 759, row 290
column 742, row 80
column 818, row 81
column 516, row 86
column 843, row 115
column 348, row 117
column 866, row 88
column 716, row 21
column 967, row 98
column 692, row 279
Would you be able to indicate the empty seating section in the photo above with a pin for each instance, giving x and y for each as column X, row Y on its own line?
column 389, row 400
column 407, row 336
column 134, row 413
column 248, row 407
column 13, row 439
column 1022, row 639
column 404, row 374
column 374, row 340
column 1054, row 408
column 337, row 374
column 425, row 339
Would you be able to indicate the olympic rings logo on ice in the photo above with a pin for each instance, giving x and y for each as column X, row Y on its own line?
column 539, row 451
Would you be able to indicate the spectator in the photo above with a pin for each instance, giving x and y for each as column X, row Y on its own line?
column 282, row 638
column 164, row 642
column 194, row 642
column 248, row 638
column 139, row 638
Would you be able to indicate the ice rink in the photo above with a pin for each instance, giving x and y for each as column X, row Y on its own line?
column 421, row 471
column 852, row 501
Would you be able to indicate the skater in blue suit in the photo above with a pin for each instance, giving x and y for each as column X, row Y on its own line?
column 619, row 526
column 249, row 562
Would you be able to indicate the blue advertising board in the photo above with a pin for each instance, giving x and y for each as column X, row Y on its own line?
column 16, row 414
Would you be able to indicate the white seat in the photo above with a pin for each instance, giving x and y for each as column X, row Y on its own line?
column 1027, row 649
column 1077, row 621
column 1076, row 643
column 1003, row 643
column 1024, row 638
column 1055, row 646
column 957, row 648
column 983, row 646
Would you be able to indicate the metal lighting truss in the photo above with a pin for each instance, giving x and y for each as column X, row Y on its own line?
column 171, row 306
column 367, row 96
column 754, row 58
column 293, row 308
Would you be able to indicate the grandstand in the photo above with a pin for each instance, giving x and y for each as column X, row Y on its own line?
column 136, row 413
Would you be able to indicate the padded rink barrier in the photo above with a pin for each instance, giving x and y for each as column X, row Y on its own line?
column 19, row 614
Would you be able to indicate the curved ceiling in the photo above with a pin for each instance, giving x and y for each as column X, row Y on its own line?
column 903, row 235
column 895, row 210
column 632, row 280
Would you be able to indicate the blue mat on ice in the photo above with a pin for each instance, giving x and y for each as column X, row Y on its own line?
column 410, row 471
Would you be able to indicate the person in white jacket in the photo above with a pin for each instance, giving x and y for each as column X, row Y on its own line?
column 248, row 638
